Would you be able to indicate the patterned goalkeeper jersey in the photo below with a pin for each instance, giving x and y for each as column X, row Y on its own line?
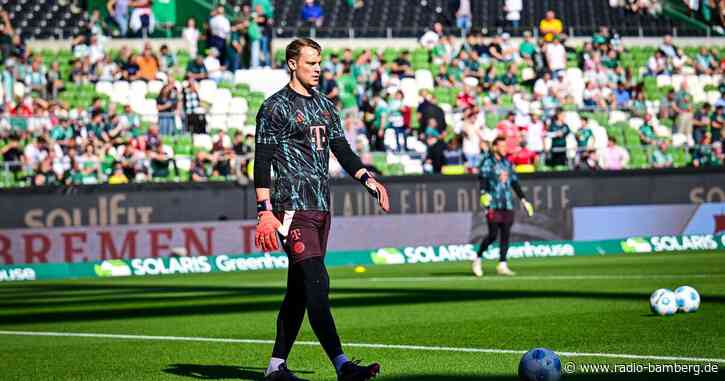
column 301, row 128
column 497, row 178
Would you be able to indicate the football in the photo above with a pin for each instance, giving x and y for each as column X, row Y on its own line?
column 656, row 295
column 540, row 364
column 666, row 304
column 687, row 299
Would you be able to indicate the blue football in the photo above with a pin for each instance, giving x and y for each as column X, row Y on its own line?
column 540, row 364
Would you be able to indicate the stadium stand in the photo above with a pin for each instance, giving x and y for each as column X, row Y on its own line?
column 93, row 114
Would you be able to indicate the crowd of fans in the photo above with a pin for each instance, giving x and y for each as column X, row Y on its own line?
column 522, row 86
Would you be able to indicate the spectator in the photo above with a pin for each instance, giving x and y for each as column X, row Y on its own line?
column 193, row 109
column 312, row 14
column 131, row 69
column 244, row 152
column 435, row 147
column 513, row 9
column 160, row 160
column 12, row 156
column 550, row 26
column 622, row 96
column 142, row 20
column 472, row 137
column 524, row 159
column 704, row 154
column 213, row 66
column 219, row 30
column 196, row 69
column 198, row 170
column 148, row 64
column 682, row 107
column 584, row 139
column 660, row 157
column 36, row 81
column 167, row 104
column 432, row 36
column 528, row 48
column 647, row 132
column 556, row 57
column 118, row 11
column 705, row 62
column 558, row 131
column 718, row 124
column 453, row 154
column 463, row 16
column 614, row 157
column 668, row 49
column 329, row 86
column 190, row 35
column 701, row 122
column 167, row 59
column 6, row 36
column 118, row 176
column 508, row 130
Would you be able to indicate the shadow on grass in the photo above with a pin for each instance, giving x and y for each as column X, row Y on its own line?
column 570, row 377
column 145, row 300
column 219, row 372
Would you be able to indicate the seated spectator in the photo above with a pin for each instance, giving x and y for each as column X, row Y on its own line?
column 508, row 83
column 148, row 63
column 556, row 56
column 196, row 70
column 312, row 14
column 524, row 159
column 131, row 69
column 614, row 157
column 667, row 48
column 401, row 66
column 550, row 26
column 660, row 157
column 657, row 65
column 160, row 162
column 198, row 169
column 705, row 155
column 213, row 67
column 647, row 134
column 622, row 97
column 118, row 176
column 705, row 62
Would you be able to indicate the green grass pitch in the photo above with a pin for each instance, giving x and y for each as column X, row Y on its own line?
column 579, row 306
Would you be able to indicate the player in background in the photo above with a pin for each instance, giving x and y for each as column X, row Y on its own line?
column 497, row 179
column 297, row 127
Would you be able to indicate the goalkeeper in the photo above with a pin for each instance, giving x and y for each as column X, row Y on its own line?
column 498, row 181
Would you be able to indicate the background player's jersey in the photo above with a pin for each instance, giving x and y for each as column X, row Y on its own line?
column 301, row 129
column 497, row 177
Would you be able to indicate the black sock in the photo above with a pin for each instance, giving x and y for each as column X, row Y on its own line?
column 317, row 290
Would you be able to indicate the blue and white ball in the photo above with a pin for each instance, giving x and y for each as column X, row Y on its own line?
column 687, row 299
column 666, row 304
column 540, row 364
column 656, row 295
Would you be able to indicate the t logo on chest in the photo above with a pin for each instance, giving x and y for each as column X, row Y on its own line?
column 319, row 136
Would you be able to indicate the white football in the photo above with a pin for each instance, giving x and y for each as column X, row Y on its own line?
column 687, row 299
column 656, row 295
column 666, row 304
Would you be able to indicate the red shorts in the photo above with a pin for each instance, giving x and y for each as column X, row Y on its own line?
column 500, row 216
column 304, row 233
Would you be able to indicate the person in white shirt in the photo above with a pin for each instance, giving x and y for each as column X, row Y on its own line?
column 543, row 84
column 535, row 133
column 430, row 38
column 220, row 27
column 191, row 37
column 213, row 66
column 472, row 137
column 513, row 10
column 556, row 56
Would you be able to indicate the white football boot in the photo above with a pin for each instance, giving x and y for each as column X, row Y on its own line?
column 476, row 267
column 503, row 269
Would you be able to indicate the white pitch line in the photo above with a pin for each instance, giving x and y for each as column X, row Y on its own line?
column 357, row 345
column 552, row 277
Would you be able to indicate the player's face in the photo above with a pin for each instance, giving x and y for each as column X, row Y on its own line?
column 307, row 67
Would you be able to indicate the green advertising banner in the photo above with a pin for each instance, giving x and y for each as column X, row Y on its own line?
column 383, row 256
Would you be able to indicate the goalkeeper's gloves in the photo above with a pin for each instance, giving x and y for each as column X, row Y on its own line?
column 527, row 207
column 485, row 199
column 376, row 189
column 267, row 225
